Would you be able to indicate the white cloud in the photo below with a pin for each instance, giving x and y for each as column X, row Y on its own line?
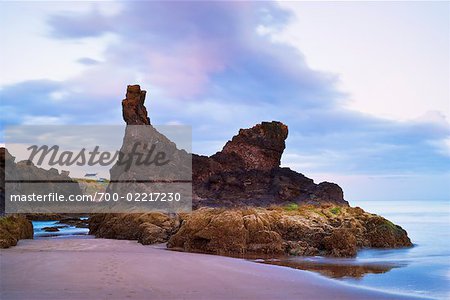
column 442, row 146
column 392, row 58
column 44, row 120
column 29, row 53
column 224, row 73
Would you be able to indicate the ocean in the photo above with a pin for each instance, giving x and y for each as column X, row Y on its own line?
column 423, row 270
column 67, row 231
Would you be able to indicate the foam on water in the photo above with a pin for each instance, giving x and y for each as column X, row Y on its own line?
column 65, row 231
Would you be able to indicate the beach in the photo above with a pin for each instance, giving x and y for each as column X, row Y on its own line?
column 88, row 268
column 421, row 270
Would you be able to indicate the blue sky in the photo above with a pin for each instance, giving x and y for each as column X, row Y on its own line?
column 363, row 87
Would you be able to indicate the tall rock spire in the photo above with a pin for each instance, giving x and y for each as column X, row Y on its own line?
column 133, row 109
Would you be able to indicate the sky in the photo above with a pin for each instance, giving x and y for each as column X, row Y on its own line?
column 363, row 86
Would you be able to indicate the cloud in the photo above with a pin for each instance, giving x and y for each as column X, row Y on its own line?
column 191, row 53
column 213, row 65
column 88, row 61
column 81, row 25
column 53, row 102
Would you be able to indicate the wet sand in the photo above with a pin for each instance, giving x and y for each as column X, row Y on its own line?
column 87, row 268
column 334, row 270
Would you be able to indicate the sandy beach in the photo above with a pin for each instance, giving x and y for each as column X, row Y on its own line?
column 87, row 268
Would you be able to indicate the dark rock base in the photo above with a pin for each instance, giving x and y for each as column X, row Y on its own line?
column 13, row 228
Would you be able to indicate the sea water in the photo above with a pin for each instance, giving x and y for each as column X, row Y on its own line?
column 422, row 270
column 63, row 232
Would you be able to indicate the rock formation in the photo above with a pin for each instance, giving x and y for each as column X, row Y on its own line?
column 257, row 148
column 246, row 172
column 246, row 203
column 21, row 173
column 307, row 230
column 133, row 109
column 13, row 228
column 147, row 228
column 337, row 231
column 138, row 177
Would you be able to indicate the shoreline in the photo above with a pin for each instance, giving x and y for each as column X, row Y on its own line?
column 86, row 268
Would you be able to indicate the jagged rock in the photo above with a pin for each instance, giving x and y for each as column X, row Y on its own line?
column 246, row 172
column 74, row 221
column 309, row 230
column 133, row 109
column 147, row 228
column 137, row 177
column 259, row 147
column 50, row 229
column 21, row 173
column 341, row 243
column 13, row 228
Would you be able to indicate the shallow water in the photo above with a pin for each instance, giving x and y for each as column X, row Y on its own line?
column 422, row 270
column 63, row 232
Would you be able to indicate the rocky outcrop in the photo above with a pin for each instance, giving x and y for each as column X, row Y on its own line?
column 219, row 188
column 51, row 229
column 147, row 228
column 257, row 148
column 13, row 228
column 308, row 230
column 20, row 179
column 133, row 109
column 240, row 181
column 74, row 221
column 246, row 172
column 150, row 174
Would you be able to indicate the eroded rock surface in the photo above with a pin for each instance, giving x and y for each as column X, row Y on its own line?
column 22, row 174
column 133, row 109
column 131, row 175
column 13, row 228
column 147, row 228
column 245, row 172
column 308, row 230
column 259, row 147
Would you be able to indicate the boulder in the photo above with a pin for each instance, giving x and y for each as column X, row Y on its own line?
column 308, row 230
column 147, row 228
column 13, row 228
column 51, row 229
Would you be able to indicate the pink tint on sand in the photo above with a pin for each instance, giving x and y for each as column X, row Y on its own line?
column 89, row 268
